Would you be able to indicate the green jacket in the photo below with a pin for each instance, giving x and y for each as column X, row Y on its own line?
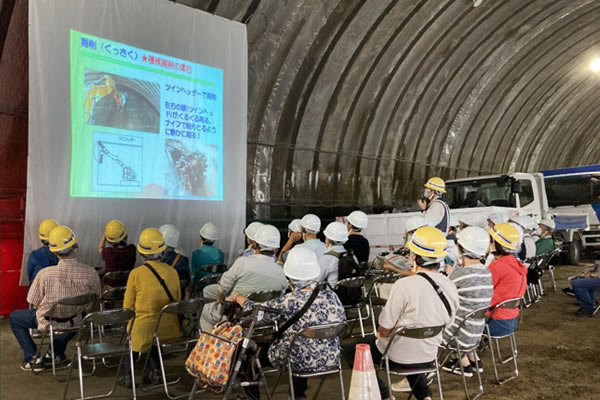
column 544, row 245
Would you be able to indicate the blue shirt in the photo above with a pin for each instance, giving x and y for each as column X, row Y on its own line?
column 39, row 259
column 182, row 266
column 205, row 255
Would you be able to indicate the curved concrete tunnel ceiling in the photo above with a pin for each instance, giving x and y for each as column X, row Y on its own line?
column 355, row 103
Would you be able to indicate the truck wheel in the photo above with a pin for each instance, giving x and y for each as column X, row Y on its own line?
column 573, row 252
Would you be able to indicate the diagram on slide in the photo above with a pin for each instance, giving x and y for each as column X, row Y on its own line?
column 192, row 171
column 119, row 102
column 117, row 163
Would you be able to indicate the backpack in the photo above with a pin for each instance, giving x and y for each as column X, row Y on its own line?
column 347, row 268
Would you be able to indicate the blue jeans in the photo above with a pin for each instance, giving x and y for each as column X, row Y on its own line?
column 502, row 327
column 20, row 323
column 585, row 291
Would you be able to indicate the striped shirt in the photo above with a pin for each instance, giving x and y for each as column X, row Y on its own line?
column 475, row 289
column 68, row 278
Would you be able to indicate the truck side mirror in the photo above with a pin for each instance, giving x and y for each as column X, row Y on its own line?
column 516, row 187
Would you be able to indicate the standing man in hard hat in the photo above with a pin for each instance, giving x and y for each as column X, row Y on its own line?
column 207, row 253
column 294, row 238
column 434, row 209
column 356, row 222
column 173, row 255
column 249, row 274
column 150, row 287
column 68, row 278
column 120, row 256
column 250, row 233
column 425, row 299
column 311, row 225
column 42, row 257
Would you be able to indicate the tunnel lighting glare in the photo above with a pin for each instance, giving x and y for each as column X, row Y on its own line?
column 595, row 65
column 477, row 3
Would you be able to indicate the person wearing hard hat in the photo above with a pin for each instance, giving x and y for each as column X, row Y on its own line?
column 336, row 234
column 120, row 256
column 434, row 209
column 425, row 299
column 526, row 226
column 509, row 276
column 311, row 225
column 474, row 283
column 545, row 244
column 42, row 257
column 207, row 253
column 68, row 278
column 249, row 274
column 150, row 287
column 356, row 222
column 294, row 238
column 302, row 270
column 173, row 255
column 250, row 233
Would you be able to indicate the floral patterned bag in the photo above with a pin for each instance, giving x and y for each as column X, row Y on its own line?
column 211, row 360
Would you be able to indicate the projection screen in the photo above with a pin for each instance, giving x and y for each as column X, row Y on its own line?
column 137, row 112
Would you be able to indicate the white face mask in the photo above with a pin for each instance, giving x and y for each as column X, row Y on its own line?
column 427, row 193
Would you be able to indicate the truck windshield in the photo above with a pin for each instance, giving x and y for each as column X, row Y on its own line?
column 482, row 193
column 572, row 190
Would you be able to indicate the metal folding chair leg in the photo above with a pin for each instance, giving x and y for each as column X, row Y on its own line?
column 551, row 270
column 165, row 384
column 513, row 358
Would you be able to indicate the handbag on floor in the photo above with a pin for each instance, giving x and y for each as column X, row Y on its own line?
column 211, row 359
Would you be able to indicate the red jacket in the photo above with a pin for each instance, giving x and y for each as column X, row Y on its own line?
column 510, row 281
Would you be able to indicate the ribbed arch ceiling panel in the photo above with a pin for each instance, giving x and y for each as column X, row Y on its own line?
column 354, row 103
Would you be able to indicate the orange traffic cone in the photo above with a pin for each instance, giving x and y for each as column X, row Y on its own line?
column 363, row 385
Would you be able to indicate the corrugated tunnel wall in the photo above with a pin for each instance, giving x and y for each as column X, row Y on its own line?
column 355, row 103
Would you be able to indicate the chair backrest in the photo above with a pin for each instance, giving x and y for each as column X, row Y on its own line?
column 209, row 280
column 264, row 295
column 327, row 331
column 117, row 316
column 479, row 313
column 114, row 294
column 215, row 268
column 356, row 282
column 510, row 303
column 81, row 300
column 116, row 276
column 184, row 306
column 426, row 332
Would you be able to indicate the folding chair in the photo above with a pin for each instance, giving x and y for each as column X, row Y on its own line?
column 76, row 306
column 318, row 332
column 191, row 307
column 357, row 283
column 196, row 288
column 85, row 352
column 112, row 298
column 373, row 293
column 118, row 278
column 509, row 304
column 453, row 347
column 215, row 268
column 413, row 333
column 547, row 266
column 596, row 310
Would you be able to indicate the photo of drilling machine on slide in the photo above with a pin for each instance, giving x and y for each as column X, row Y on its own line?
column 190, row 166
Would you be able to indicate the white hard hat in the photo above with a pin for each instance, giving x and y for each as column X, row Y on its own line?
column 295, row 226
column 302, row 264
column 171, row 234
column 525, row 221
column 268, row 237
column 415, row 222
column 311, row 223
column 470, row 219
column 358, row 219
column 337, row 232
column 496, row 218
column 474, row 240
column 548, row 222
column 209, row 231
column 251, row 229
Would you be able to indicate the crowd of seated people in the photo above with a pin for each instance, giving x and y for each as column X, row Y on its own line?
column 485, row 271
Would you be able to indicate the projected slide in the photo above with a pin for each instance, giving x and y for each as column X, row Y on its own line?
column 144, row 125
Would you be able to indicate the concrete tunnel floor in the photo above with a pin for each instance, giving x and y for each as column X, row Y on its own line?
column 558, row 358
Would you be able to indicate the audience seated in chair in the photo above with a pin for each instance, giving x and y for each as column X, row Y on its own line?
column 119, row 256
column 42, row 257
column 207, row 253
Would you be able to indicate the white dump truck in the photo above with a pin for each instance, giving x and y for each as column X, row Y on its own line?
column 501, row 196
column 576, row 191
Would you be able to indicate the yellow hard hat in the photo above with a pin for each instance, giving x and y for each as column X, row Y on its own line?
column 151, row 242
column 428, row 241
column 61, row 238
column 115, row 231
column 436, row 184
column 506, row 235
column 46, row 227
